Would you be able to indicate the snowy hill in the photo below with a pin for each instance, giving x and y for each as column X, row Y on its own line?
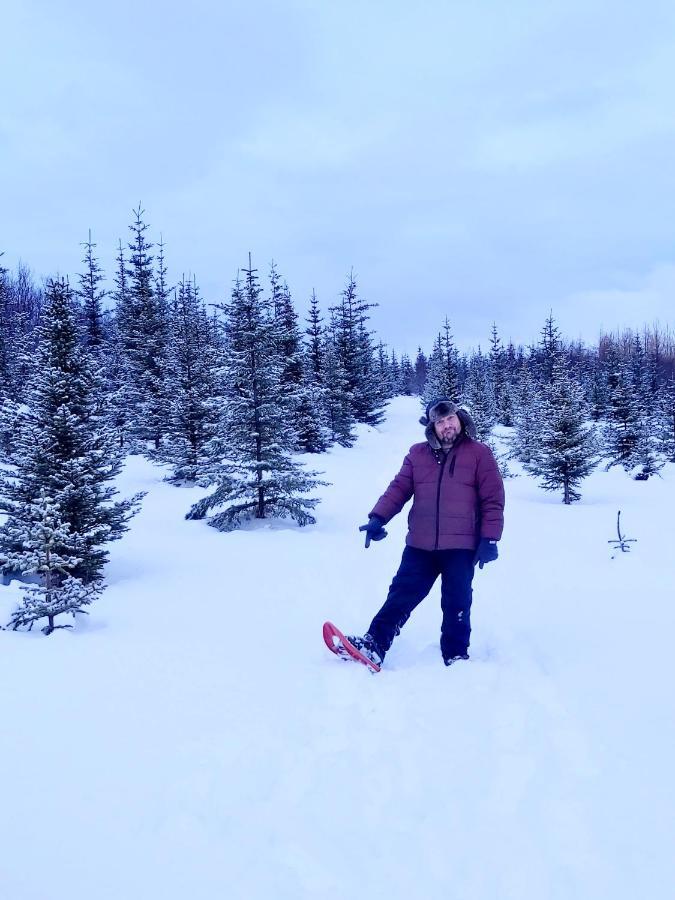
column 194, row 738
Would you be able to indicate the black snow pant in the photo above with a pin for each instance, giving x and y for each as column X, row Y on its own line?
column 417, row 573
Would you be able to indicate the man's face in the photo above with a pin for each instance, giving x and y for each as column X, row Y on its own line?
column 447, row 428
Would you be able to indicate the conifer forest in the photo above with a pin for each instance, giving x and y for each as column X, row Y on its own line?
column 227, row 392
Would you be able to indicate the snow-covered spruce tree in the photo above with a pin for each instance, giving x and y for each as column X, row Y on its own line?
column 385, row 376
column 621, row 432
column 341, row 419
column 352, row 342
column 64, row 452
column 20, row 304
column 256, row 478
column 190, row 386
column 312, row 418
column 42, row 536
column 527, row 417
column 421, row 367
column 91, row 297
column 500, row 380
column 549, row 348
column 407, row 377
column 443, row 369
column 646, row 399
column 665, row 421
column 289, row 347
column 141, row 324
column 118, row 364
column 394, row 375
column 6, row 352
column 311, row 423
column 596, row 387
column 162, row 289
column 567, row 450
column 479, row 396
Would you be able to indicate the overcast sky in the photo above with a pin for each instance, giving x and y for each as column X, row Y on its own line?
column 484, row 161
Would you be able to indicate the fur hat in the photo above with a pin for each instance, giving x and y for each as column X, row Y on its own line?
column 437, row 409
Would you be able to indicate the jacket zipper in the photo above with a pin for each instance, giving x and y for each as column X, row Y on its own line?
column 451, row 472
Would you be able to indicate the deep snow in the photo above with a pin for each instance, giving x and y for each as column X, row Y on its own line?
column 194, row 738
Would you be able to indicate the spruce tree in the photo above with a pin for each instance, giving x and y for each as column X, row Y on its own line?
column 20, row 305
column 91, row 297
column 479, row 396
column 190, row 386
column 621, row 432
column 501, row 383
column 384, row 373
column 341, row 419
column 646, row 391
column 527, row 416
column 352, row 342
column 42, row 536
column 394, row 375
column 550, row 346
column 566, row 448
column 665, row 421
column 421, row 367
column 443, row 369
column 6, row 352
column 313, row 417
column 119, row 370
column 256, row 477
column 141, row 322
column 64, row 462
column 288, row 348
column 407, row 376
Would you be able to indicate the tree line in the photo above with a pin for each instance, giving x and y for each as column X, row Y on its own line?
column 225, row 395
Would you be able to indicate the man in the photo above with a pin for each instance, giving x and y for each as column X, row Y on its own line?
column 456, row 519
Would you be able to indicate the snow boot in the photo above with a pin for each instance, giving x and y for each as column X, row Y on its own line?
column 367, row 646
column 453, row 659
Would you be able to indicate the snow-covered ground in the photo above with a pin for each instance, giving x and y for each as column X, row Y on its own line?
column 194, row 738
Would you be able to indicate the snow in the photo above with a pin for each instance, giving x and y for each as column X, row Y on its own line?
column 194, row 737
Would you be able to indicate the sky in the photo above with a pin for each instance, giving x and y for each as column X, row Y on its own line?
column 484, row 162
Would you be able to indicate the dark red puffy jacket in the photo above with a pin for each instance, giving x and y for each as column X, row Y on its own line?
column 458, row 496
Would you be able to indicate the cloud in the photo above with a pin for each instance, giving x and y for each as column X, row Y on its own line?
column 650, row 301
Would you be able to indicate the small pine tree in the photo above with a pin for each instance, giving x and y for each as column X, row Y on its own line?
column 313, row 419
column 190, row 387
column 566, row 449
column 665, row 420
column 384, row 373
column 443, row 369
column 44, row 538
column 341, row 419
column 141, row 323
column 92, row 296
column 527, row 418
column 407, row 377
column 621, row 433
column 549, row 349
column 479, row 396
column 64, row 451
column 288, row 348
column 256, row 477
column 353, row 347
column 421, row 367
column 394, row 375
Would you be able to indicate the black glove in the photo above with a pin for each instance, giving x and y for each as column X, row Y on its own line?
column 374, row 530
column 485, row 552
